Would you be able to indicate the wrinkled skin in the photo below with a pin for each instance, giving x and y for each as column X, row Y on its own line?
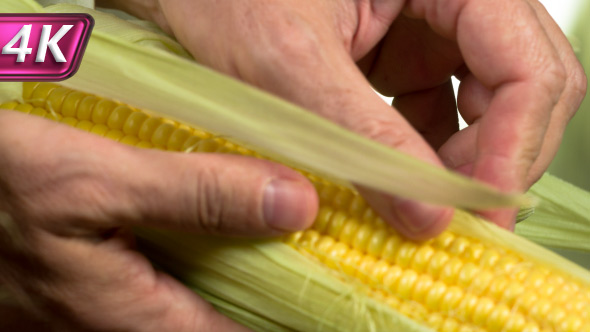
column 68, row 206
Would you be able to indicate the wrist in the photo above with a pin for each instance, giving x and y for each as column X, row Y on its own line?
column 149, row 10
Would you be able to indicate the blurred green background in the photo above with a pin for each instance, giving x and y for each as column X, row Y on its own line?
column 572, row 162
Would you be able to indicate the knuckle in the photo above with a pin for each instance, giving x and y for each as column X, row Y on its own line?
column 556, row 79
column 382, row 130
column 579, row 83
column 210, row 201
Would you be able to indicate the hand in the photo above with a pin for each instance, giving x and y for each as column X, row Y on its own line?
column 520, row 80
column 68, row 200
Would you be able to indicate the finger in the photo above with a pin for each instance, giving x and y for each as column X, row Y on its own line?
column 512, row 56
column 571, row 98
column 305, row 54
column 116, row 185
column 474, row 99
column 351, row 103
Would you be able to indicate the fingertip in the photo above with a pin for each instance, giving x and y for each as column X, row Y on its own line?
column 289, row 204
column 505, row 218
column 415, row 220
column 420, row 221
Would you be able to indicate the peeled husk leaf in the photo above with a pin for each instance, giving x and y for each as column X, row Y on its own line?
column 561, row 220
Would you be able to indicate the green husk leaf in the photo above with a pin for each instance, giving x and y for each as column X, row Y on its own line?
column 180, row 89
column 561, row 220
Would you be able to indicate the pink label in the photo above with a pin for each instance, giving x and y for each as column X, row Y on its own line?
column 42, row 47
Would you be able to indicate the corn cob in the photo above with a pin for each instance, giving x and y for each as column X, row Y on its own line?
column 451, row 283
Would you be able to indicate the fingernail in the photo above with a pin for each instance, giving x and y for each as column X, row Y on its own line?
column 286, row 205
column 420, row 218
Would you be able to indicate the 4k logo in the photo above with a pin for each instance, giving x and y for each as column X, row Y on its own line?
column 27, row 39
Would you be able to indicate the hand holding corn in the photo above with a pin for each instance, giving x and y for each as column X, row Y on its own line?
column 65, row 239
column 521, row 82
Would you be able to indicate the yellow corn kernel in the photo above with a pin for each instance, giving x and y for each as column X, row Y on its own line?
column 335, row 254
column 336, row 224
column 489, row 258
column 323, row 219
column 328, row 193
column 422, row 258
column 365, row 267
column 435, row 321
column 86, row 107
column 147, row 128
column 191, row 144
column 118, row 117
column 70, row 121
column 24, row 108
column 437, row 262
column 515, row 323
column 390, row 248
column 69, row 107
column 357, row 206
column 375, row 276
column 449, row 325
column 466, row 306
column 362, row 237
column 41, row 93
column 342, row 199
column 53, row 116
column 368, row 216
column 377, row 242
column 99, row 129
column 348, row 231
column 102, row 110
column 351, row 261
column 129, row 140
column 473, row 252
column 56, row 98
column 391, row 278
column 114, row 134
column 144, row 145
column 177, row 139
column 405, row 254
column 450, row 271
column 435, row 295
column 38, row 111
column 458, row 246
column 482, row 311
column 134, row 122
column 85, row 125
column 421, row 287
column 9, row 105
column 405, row 284
column 28, row 89
column 498, row 318
column 162, row 134
column 444, row 240
column 451, row 299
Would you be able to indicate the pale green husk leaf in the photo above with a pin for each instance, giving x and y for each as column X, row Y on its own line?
column 561, row 220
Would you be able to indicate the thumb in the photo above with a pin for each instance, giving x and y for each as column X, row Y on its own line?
column 221, row 194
